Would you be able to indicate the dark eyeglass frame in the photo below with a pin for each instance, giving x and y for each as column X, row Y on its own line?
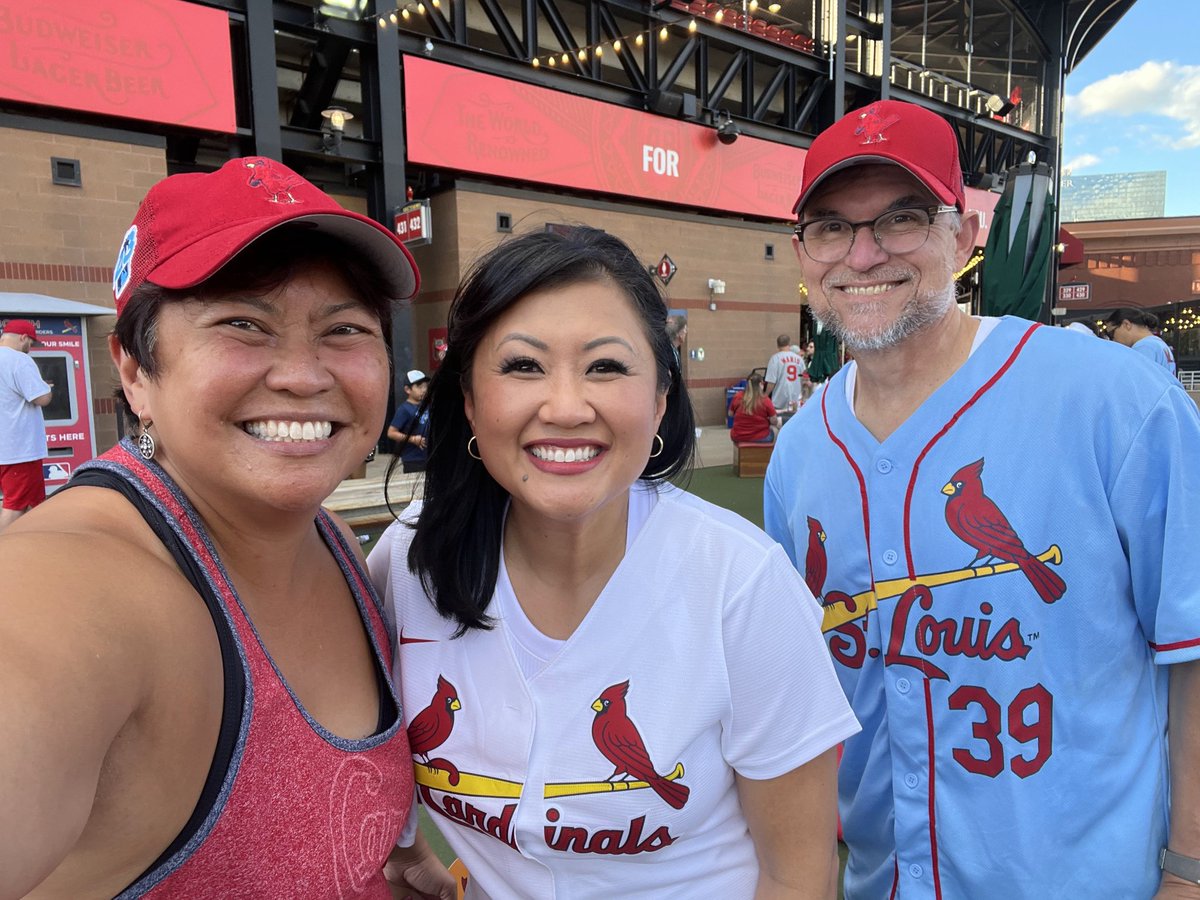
column 932, row 211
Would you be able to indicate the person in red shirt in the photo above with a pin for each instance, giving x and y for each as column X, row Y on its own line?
column 754, row 417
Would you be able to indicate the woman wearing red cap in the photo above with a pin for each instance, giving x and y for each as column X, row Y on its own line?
column 195, row 699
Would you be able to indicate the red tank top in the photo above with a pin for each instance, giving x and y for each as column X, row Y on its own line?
column 289, row 809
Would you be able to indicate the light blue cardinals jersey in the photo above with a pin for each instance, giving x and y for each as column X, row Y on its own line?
column 1004, row 580
column 1156, row 350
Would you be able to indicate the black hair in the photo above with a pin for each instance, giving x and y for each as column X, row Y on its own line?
column 264, row 266
column 1135, row 317
column 456, row 548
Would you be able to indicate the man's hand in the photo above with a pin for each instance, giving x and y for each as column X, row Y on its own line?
column 1177, row 889
column 416, row 872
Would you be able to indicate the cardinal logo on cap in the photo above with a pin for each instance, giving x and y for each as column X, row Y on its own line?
column 872, row 124
column 277, row 182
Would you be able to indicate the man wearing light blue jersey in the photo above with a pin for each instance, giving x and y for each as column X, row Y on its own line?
column 1003, row 541
column 1133, row 328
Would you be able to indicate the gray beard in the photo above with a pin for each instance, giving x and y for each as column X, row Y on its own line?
column 918, row 314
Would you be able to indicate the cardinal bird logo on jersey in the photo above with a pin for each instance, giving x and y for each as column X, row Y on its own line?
column 815, row 563
column 432, row 725
column 978, row 522
column 872, row 125
column 266, row 175
column 618, row 739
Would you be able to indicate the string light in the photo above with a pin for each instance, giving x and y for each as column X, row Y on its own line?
column 971, row 263
column 619, row 44
column 405, row 12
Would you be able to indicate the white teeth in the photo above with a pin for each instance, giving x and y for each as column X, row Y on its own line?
column 558, row 454
column 866, row 289
column 279, row 430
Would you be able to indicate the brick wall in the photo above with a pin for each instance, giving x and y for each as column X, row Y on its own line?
column 61, row 241
column 760, row 299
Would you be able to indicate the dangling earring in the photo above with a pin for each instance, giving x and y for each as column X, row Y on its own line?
column 145, row 442
column 661, row 444
column 475, row 453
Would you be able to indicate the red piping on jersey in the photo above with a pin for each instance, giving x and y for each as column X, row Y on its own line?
column 933, row 853
column 912, row 482
column 1177, row 645
column 895, row 876
column 862, row 482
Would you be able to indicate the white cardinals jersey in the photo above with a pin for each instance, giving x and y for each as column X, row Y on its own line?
column 704, row 650
column 1004, row 580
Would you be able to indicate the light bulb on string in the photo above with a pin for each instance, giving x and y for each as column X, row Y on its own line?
column 617, row 45
column 639, row 40
column 662, row 34
column 691, row 26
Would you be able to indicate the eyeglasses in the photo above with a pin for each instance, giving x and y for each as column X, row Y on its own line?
column 896, row 231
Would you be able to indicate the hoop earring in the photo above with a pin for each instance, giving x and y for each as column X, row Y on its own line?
column 474, row 455
column 661, row 445
column 145, row 443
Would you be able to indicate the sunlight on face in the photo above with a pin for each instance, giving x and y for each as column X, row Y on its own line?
column 564, row 400
column 870, row 299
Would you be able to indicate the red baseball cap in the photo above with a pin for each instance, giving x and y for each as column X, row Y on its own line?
column 189, row 226
column 22, row 327
column 888, row 131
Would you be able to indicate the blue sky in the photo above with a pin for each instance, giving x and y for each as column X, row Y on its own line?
column 1133, row 104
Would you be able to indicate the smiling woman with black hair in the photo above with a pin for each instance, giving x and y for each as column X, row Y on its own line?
column 600, row 670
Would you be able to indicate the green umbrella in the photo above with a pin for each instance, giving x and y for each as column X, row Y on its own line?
column 1016, row 259
column 825, row 355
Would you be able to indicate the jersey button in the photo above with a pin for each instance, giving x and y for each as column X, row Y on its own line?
column 915, row 871
column 911, row 780
column 902, row 685
column 890, row 557
column 883, row 466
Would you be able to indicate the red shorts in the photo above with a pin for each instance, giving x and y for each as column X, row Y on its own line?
column 22, row 485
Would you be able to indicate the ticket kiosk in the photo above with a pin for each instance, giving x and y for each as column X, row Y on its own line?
column 63, row 361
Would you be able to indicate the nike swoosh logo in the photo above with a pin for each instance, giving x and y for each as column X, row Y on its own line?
column 412, row 640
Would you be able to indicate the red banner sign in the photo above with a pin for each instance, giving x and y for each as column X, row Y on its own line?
column 473, row 122
column 459, row 119
column 155, row 60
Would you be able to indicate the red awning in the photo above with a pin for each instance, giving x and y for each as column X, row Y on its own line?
column 1072, row 248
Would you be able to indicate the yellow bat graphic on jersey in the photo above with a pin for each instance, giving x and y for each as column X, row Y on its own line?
column 840, row 611
column 472, row 785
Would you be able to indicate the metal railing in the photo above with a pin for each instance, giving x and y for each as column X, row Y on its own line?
column 1190, row 379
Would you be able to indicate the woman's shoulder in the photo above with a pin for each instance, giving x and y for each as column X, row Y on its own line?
column 88, row 554
column 708, row 519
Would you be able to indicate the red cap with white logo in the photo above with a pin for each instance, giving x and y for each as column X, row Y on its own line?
column 888, row 131
column 189, row 226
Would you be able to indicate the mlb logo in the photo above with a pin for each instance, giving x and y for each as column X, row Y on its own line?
column 56, row 471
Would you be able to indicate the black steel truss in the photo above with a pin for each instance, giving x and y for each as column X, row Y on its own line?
column 773, row 90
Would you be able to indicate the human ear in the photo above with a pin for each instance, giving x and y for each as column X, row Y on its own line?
column 134, row 380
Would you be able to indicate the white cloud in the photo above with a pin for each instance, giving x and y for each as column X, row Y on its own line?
column 1156, row 88
column 1084, row 161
